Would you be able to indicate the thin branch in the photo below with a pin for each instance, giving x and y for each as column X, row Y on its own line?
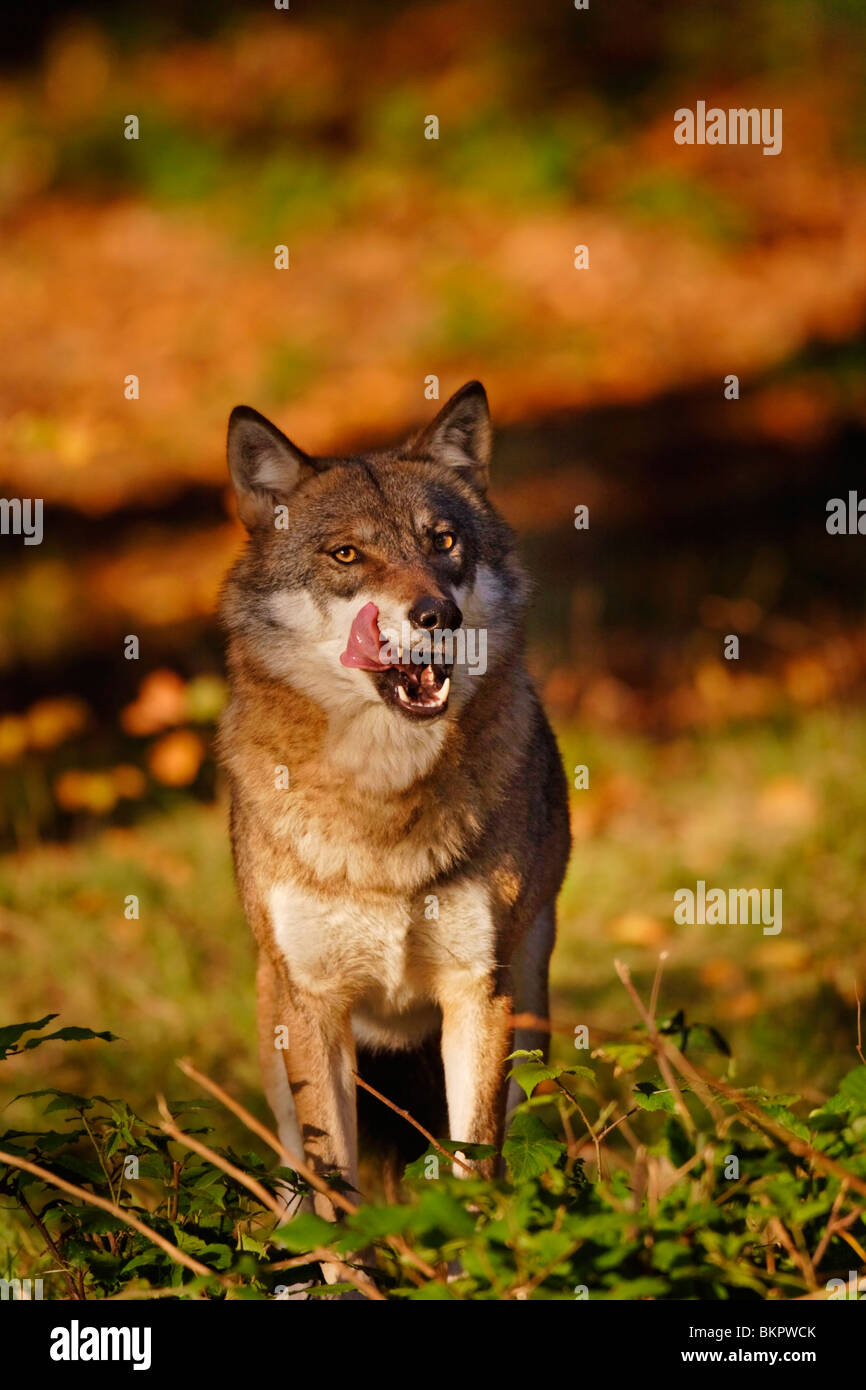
column 654, row 996
column 288, row 1159
column 532, row 1284
column 98, row 1155
column 590, row 1129
column 259, row 1192
column 801, row 1260
column 798, row 1147
column 855, row 1244
column 404, row 1114
column 622, row 1119
column 682, row 1109
column 362, row 1283
column 179, row 1256
column 831, row 1224
column 397, row 1243
column 52, row 1246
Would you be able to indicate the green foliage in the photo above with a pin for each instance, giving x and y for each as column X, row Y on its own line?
column 543, row 1231
column 10, row 1037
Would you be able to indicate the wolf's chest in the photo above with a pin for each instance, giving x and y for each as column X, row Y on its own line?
column 393, row 953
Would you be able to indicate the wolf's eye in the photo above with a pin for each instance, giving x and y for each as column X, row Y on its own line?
column 346, row 554
column 443, row 540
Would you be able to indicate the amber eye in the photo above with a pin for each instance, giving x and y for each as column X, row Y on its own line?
column 443, row 540
column 346, row 554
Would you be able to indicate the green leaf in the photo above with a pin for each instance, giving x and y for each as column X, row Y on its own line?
column 530, row 1148
column 441, row 1213
column 629, row 1289
column 420, row 1167
column 100, row 1223
column 13, row 1031
column 82, row 1168
column 305, row 1231
column 626, row 1056
column 63, row 1100
column 70, row 1034
column 219, row 1256
column 180, row 1107
column 851, row 1092
column 373, row 1222
column 586, row 1073
column 432, row 1292
column 150, row 1257
column 648, row 1098
column 784, row 1117
column 529, row 1074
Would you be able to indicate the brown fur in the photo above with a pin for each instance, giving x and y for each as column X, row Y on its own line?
column 485, row 818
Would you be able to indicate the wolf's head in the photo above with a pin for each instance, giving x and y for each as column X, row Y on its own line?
column 385, row 579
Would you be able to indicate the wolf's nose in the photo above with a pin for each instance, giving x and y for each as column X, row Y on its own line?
column 430, row 612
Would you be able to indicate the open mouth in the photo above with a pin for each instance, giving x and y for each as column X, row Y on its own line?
column 418, row 690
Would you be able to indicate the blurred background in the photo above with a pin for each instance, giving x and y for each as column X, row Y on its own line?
column 453, row 257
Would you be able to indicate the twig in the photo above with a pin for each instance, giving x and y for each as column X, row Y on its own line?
column 654, row 996
column 452, row 1158
column 614, row 1123
column 703, row 1085
column 288, row 1159
column 362, row 1283
column 859, row 1028
column 798, row 1147
column 855, row 1244
column 98, row 1155
column 590, row 1129
column 571, row 1142
column 532, row 1284
column 174, row 1202
column 830, row 1227
column 801, row 1260
column 46, row 1236
column 397, row 1243
column 251, row 1184
column 682, row 1109
column 179, row 1256
column 546, row 1025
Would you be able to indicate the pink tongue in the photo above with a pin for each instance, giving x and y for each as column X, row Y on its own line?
column 362, row 648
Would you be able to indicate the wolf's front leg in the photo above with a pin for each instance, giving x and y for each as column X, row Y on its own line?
column 476, row 1039
column 319, row 1062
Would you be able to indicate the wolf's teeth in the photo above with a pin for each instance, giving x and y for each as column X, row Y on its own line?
column 401, row 695
column 442, row 693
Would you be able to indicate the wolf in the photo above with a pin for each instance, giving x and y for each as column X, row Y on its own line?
column 399, row 818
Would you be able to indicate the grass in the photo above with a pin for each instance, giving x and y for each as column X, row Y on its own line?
column 761, row 804
column 752, row 806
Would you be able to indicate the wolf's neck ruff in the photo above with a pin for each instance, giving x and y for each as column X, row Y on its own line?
column 352, row 814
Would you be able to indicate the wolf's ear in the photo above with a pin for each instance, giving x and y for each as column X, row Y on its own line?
column 461, row 434
column 265, row 466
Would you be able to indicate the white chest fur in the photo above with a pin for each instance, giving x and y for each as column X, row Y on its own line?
column 390, row 960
